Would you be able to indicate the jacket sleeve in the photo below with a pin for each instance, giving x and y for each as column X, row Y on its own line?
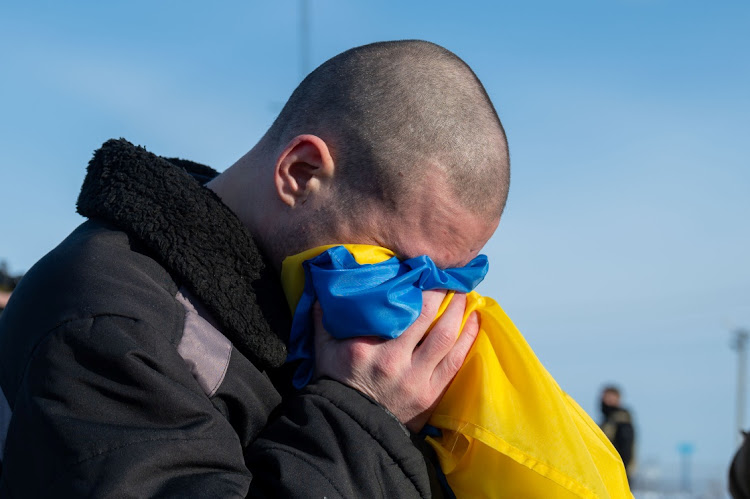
column 108, row 408
column 331, row 441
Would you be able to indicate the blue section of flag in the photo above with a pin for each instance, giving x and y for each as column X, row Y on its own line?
column 381, row 299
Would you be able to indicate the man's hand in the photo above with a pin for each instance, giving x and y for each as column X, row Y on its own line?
column 407, row 375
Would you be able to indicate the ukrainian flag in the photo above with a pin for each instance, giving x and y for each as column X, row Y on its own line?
column 507, row 429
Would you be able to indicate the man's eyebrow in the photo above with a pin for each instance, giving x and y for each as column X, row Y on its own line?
column 404, row 256
column 395, row 248
column 438, row 263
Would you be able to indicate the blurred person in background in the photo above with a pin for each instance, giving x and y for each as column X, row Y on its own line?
column 618, row 426
column 4, row 297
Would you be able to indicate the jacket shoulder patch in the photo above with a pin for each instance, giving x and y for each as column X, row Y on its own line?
column 205, row 350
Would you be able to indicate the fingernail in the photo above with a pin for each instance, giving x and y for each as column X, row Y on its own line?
column 475, row 319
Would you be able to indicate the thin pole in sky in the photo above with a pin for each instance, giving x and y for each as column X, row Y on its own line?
column 686, row 450
column 739, row 344
column 304, row 38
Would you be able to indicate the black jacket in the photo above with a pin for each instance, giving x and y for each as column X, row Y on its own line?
column 142, row 357
column 618, row 427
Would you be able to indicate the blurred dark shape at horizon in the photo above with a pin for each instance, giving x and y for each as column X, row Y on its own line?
column 739, row 471
column 8, row 283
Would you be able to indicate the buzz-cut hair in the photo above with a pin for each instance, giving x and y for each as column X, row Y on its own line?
column 395, row 114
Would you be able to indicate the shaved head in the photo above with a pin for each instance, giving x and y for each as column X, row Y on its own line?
column 397, row 115
column 394, row 144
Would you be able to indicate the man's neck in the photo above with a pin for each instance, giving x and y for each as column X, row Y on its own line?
column 241, row 189
column 238, row 187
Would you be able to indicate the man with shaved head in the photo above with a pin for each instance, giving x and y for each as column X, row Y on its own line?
column 394, row 132
column 144, row 356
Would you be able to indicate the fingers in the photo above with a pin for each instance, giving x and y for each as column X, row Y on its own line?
column 407, row 379
column 443, row 336
column 431, row 301
column 452, row 362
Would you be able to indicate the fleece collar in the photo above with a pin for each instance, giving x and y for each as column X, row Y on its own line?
column 196, row 237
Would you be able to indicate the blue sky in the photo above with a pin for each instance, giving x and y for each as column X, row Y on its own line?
column 623, row 252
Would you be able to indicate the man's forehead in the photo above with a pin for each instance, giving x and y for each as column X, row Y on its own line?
column 450, row 239
column 429, row 220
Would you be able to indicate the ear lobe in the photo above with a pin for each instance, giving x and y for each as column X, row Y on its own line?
column 301, row 169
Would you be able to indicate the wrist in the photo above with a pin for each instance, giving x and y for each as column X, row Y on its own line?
column 371, row 399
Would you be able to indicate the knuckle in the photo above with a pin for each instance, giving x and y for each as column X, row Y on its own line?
column 453, row 363
column 425, row 318
column 431, row 301
column 443, row 340
column 387, row 367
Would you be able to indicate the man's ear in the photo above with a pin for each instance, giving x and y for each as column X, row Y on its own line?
column 301, row 169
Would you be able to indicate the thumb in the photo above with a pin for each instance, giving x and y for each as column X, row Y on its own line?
column 324, row 344
column 321, row 335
